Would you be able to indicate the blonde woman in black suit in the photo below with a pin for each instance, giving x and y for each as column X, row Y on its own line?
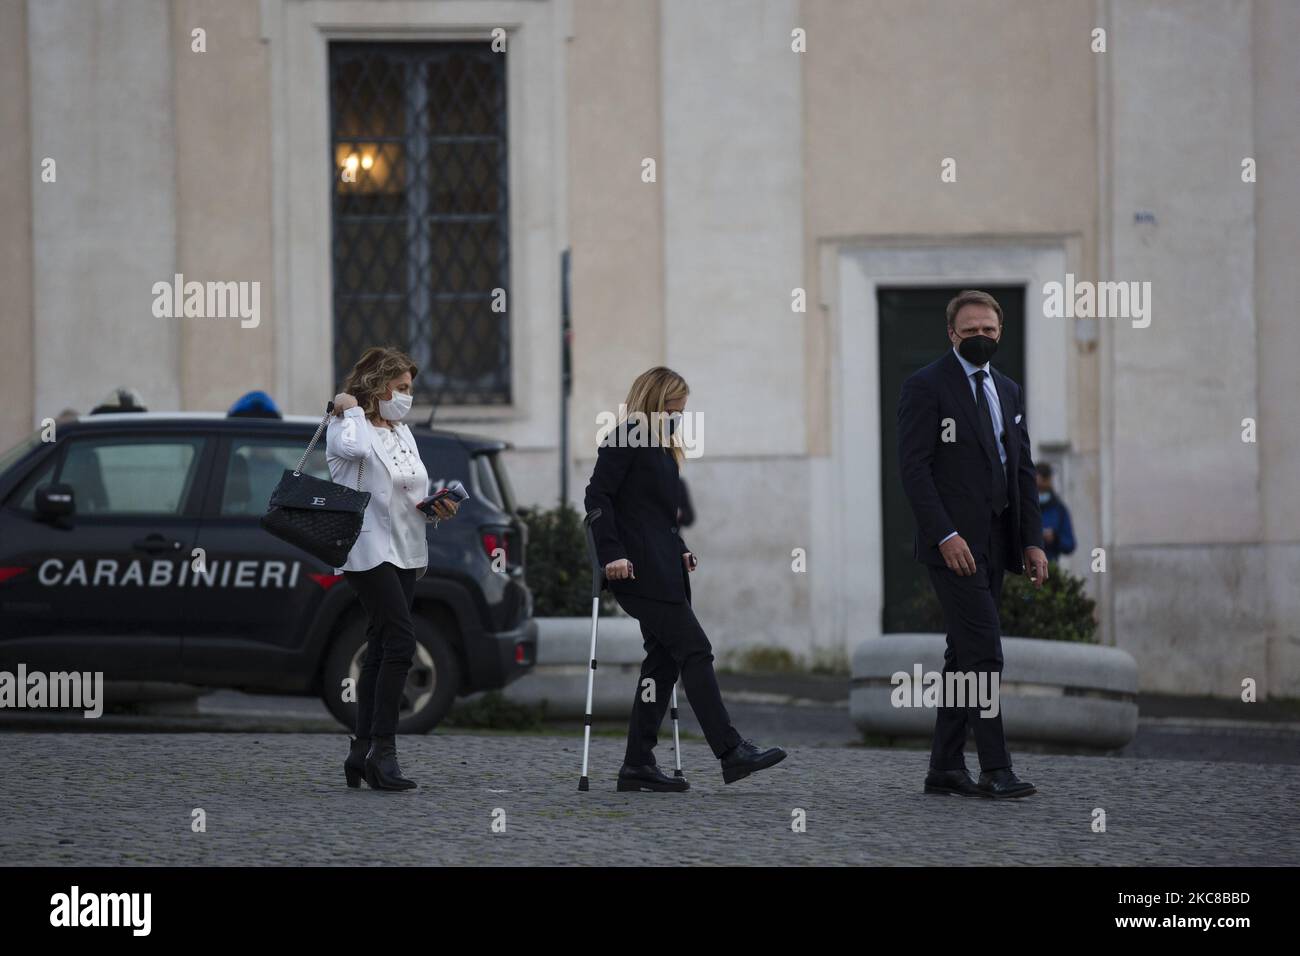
column 637, row 487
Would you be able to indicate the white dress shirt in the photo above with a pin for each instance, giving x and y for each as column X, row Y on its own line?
column 991, row 393
column 995, row 407
column 393, row 529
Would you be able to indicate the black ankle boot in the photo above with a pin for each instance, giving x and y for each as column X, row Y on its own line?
column 354, row 768
column 382, row 772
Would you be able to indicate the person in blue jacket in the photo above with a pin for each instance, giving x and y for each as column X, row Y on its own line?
column 1058, row 532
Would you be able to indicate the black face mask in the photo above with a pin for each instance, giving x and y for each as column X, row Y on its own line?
column 977, row 349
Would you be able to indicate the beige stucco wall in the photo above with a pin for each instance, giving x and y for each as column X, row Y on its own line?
column 1004, row 87
column 615, row 220
column 102, row 107
column 223, row 194
column 1197, row 597
column 16, row 369
column 1277, row 285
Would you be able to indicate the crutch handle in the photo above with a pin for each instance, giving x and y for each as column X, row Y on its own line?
column 597, row 569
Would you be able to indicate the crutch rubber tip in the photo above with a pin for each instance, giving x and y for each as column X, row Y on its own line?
column 582, row 785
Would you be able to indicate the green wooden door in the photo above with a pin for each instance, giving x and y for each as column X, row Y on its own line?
column 913, row 333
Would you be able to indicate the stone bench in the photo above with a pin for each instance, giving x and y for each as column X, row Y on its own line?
column 560, row 675
column 1058, row 692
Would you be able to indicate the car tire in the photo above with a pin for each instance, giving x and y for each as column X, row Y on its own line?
column 431, row 684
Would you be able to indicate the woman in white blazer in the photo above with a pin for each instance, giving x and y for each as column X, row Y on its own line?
column 366, row 436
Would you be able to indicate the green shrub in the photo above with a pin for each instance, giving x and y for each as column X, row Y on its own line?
column 774, row 659
column 1059, row 611
column 495, row 711
column 830, row 662
column 556, row 563
column 764, row 659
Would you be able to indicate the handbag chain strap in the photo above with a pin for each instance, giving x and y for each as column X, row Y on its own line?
column 329, row 410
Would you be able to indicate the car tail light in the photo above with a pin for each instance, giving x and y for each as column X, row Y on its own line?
column 492, row 540
column 505, row 539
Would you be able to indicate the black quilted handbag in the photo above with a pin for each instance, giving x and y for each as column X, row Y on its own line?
column 322, row 518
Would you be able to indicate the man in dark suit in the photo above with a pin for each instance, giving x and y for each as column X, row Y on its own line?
column 963, row 448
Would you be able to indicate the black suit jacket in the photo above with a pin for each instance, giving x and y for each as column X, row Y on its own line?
column 638, row 491
column 950, row 484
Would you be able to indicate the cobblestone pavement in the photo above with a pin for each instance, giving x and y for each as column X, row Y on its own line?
column 279, row 799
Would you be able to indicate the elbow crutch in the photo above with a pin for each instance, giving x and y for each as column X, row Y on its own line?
column 597, row 578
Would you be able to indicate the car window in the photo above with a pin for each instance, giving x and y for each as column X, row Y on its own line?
column 25, row 496
column 503, row 482
column 485, row 480
column 256, row 466
column 11, row 456
column 117, row 476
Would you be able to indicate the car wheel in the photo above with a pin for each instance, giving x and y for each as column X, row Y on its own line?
column 431, row 683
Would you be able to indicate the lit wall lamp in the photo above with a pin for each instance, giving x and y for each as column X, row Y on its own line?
column 353, row 159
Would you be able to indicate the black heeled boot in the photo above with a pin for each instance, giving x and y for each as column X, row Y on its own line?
column 354, row 768
column 382, row 772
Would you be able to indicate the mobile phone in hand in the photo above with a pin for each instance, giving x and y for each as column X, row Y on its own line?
column 454, row 491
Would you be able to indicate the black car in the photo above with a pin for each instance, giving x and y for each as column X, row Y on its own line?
column 130, row 545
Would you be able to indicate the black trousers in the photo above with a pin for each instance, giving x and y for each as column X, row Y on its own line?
column 675, row 644
column 970, row 610
column 387, row 593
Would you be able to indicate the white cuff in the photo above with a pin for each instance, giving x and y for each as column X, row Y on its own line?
column 947, row 536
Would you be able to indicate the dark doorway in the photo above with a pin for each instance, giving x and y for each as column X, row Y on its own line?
column 913, row 333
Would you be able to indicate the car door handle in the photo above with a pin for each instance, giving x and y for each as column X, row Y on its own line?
column 155, row 543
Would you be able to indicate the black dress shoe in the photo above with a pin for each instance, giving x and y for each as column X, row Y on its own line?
column 649, row 777
column 958, row 782
column 744, row 759
column 382, row 771
column 354, row 768
column 1004, row 783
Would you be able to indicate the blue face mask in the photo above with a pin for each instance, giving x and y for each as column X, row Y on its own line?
column 1044, row 497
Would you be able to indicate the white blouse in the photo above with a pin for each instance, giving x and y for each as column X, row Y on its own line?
column 407, row 523
column 393, row 528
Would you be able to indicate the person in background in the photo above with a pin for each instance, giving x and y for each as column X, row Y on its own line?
column 120, row 399
column 1058, row 532
column 255, row 404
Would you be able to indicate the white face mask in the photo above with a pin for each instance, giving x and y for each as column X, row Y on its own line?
column 395, row 408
